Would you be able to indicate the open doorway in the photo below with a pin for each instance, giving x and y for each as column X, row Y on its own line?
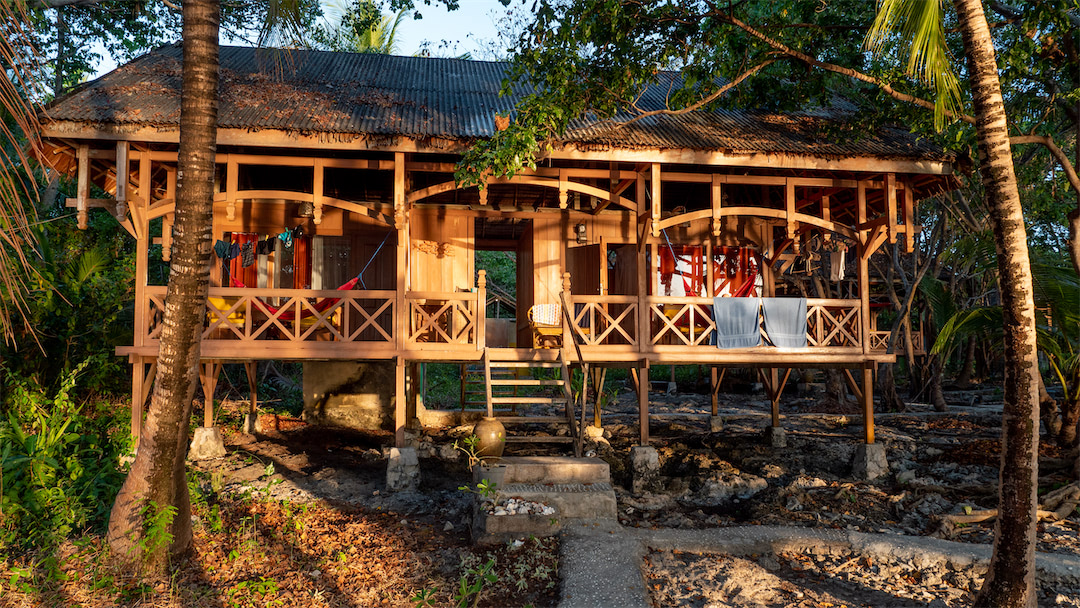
column 502, row 246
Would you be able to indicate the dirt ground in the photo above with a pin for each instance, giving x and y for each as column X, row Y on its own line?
column 320, row 529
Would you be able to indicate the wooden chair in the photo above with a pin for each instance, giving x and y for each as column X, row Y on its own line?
column 235, row 319
column 546, row 323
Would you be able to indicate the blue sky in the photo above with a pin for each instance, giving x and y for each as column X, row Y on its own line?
column 473, row 28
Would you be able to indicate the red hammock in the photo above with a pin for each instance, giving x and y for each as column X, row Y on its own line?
column 321, row 306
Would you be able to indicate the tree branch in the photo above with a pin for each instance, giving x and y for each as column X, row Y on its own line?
column 1063, row 160
column 711, row 97
column 851, row 73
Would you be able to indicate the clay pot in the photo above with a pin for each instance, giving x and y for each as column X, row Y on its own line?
column 491, row 439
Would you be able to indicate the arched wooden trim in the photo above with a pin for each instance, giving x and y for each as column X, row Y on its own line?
column 526, row 180
column 166, row 206
column 241, row 195
column 757, row 212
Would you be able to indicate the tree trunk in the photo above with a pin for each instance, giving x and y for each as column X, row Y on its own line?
column 835, row 386
column 967, row 367
column 157, row 478
column 1048, row 411
column 1070, row 415
column 888, row 397
column 937, row 397
column 1010, row 580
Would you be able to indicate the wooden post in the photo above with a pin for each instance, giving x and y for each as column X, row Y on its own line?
column 121, row 180
column 481, row 310
column 140, row 211
column 643, row 400
column 715, row 377
column 400, row 398
column 655, row 210
column 774, row 396
column 251, row 368
column 401, row 221
column 890, row 205
column 136, row 397
column 208, row 375
column 83, row 188
column 864, row 270
column 908, row 217
column 789, row 206
column 868, row 404
column 642, row 231
column 568, row 337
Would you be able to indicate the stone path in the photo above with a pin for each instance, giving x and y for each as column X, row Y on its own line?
column 600, row 563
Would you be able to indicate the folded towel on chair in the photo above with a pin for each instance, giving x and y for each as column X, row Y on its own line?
column 785, row 321
column 736, row 322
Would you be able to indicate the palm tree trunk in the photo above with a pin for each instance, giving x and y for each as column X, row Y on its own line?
column 967, row 366
column 157, row 478
column 1011, row 578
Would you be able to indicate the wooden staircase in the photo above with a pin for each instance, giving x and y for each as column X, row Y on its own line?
column 521, row 400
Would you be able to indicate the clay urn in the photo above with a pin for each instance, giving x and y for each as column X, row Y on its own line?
column 490, row 439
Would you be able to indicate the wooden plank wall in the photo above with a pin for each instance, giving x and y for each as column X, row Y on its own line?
column 442, row 250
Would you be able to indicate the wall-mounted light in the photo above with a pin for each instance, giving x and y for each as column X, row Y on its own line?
column 306, row 209
column 579, row 230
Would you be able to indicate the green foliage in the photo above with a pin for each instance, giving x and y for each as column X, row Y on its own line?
column 157, row 526
column 60, row 462
column 361, row 28
column 80, row 305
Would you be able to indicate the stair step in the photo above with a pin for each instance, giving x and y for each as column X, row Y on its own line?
column 533, row 419
column 527, row 382
column 533, row 364
column 544, row 469
column 527, row 399
column 538, row 439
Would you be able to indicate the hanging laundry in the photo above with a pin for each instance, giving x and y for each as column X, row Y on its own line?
column 247, row 254
column 286, row 239
column 265, row 247
column 234, row 251
column 221, row 249
column 836, row 265
column 298, row 232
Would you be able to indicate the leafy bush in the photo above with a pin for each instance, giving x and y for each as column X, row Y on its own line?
column 59, row 462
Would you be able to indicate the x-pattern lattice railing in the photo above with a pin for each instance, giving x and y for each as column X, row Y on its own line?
column 605, row 321
column 238, row 314
column 682, row 320
column 833, row 322
column 443, row 318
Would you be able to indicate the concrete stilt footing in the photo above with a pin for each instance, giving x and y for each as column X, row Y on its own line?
column 402, row 470
column 645, row 468
column 207, row 444
column 775, row 437
column 869, row 462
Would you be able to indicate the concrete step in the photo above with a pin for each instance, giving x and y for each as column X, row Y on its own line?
column 571, row 500
column 544, row 469
column 539, row 439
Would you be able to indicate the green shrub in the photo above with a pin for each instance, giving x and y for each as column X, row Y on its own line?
column 59, row 462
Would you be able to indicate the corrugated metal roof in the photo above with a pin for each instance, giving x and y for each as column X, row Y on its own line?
column 346, row 93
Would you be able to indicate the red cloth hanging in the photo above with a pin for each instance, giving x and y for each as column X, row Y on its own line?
column 321, row 306
column 301, row 262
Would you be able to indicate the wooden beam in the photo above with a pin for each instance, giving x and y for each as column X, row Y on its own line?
column 232, row 185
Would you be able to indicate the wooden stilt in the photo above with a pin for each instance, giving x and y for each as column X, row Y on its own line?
column 208, row 376
column 400, row 398
column 601, row 379
column 635, row 380
column 252, row 368
column 853, row 385
column 643, row 401
column 137, row 401
column 868, row 404
column 716, row 377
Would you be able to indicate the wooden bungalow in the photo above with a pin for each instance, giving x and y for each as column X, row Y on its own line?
column 343, row 236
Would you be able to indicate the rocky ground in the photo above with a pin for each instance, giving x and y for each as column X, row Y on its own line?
column 942, row 465
column 358, row 545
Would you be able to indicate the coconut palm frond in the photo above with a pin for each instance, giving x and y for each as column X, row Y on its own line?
column 920, row 26
column 942, row 302
column 983, row 321
column 19, row 142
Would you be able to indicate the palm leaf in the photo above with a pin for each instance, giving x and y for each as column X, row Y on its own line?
column 917, row 27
